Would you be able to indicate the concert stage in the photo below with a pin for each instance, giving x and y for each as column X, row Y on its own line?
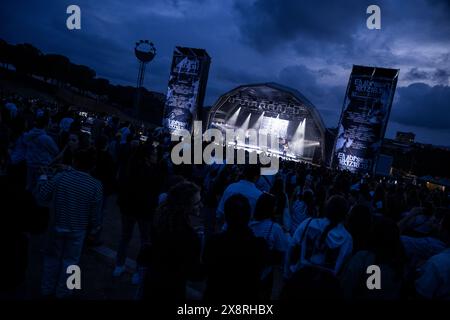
column 282, row 116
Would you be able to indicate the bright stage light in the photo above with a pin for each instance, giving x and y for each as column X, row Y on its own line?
column 298, row 140
column 257, row 124
column 244, row 126
column 232, row 120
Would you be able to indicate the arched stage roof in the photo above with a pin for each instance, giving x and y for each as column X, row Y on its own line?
column 276, row 101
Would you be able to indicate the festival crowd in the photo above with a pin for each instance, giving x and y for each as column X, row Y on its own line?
column 309, row 231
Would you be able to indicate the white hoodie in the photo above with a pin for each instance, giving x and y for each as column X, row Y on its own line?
column 336, row 248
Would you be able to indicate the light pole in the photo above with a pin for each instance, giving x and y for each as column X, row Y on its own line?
column 144, row 51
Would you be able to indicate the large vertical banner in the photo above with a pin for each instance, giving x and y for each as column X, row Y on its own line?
column 364, row 118
column 186, row 90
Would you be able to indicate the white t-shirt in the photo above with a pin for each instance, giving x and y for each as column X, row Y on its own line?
column 434, row 280
column 244, row 187
column 336, row 248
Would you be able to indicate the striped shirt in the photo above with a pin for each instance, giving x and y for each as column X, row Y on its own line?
column 76, row 199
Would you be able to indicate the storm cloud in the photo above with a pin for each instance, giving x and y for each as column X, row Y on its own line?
column 308, row 45
column 423, row 106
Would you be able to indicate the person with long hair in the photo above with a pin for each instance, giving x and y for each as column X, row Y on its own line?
column 176, row 247
column 264, row 226
column 302, row 209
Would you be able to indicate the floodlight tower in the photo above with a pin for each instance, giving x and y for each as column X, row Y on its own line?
column 144, row 51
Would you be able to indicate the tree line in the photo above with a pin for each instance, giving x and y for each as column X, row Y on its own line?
column 58, row 70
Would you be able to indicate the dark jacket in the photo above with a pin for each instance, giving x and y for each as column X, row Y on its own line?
column 175, row 258
column 138, row 191
column 105, row 171
column 234, row 261
column 19, row 217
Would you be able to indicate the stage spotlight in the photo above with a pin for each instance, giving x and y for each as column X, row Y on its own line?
column 244, row 126
column 298, row 140
column 232, row 120
column 311, row 144
column 258, row 122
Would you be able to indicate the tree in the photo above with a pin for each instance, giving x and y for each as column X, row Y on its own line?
column 100, row 86
column 80, row 77
column 26, row 58
column 56, row 67
column 6, row 53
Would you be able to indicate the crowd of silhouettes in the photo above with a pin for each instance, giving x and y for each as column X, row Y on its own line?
column 307, row 232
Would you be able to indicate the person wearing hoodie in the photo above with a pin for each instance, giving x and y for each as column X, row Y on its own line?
column 322, row 242
column 41, row 150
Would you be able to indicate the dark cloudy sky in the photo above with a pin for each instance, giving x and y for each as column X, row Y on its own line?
column 307, row 45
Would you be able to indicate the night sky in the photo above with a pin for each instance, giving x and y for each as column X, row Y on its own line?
column 308, row 45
